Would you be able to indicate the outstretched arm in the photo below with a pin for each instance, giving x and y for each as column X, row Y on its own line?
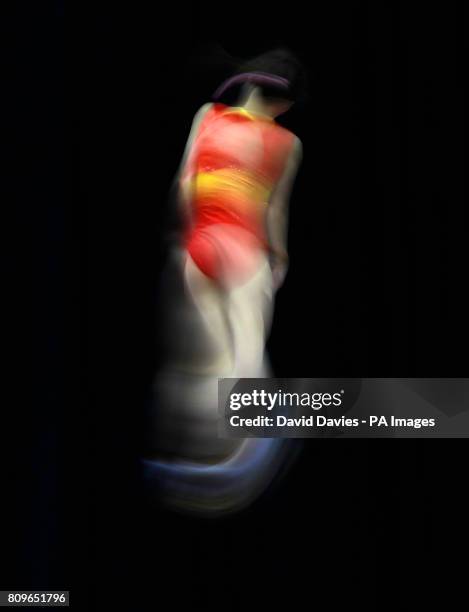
column 277, row 215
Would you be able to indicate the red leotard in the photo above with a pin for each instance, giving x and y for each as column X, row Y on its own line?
column 234, row 163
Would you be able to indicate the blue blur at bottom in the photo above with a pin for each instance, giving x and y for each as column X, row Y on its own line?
column 224, row 487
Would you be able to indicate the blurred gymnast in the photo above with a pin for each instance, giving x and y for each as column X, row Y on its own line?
column 233, row 185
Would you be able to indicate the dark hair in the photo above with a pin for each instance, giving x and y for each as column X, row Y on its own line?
column 280, row 62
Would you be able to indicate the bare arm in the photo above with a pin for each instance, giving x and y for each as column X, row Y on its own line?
column 277, row 215
column 183, row 179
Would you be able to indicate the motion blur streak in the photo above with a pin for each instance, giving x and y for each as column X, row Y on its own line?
column 224, row 487
column 211, row 334
column 233, row 188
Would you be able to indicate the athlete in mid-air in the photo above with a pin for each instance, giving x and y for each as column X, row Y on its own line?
column 234, row 186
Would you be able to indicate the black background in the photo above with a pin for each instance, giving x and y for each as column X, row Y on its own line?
column 376, row 288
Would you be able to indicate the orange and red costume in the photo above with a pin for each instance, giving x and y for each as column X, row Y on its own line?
column 234, row 164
